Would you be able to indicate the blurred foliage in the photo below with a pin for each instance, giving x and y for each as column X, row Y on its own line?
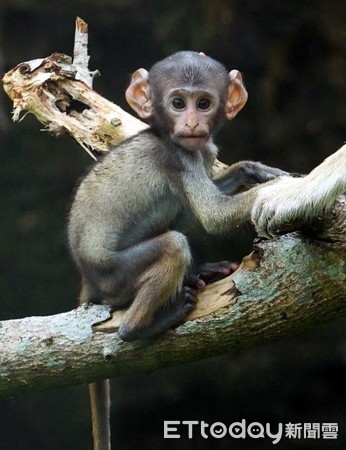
column 293, row 57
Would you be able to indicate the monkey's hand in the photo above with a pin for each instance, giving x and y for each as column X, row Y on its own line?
column 257, row 172
column 245, row 174
column 287, row 202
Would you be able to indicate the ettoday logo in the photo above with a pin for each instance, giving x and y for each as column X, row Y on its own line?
column 175, row 429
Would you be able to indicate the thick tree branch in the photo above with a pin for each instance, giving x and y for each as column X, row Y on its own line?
column 286, row 285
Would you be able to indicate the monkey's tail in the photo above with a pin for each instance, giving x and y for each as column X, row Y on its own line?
column 100, row 413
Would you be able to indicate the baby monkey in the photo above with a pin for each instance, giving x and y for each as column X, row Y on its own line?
column 134, row 211
column 129, row 222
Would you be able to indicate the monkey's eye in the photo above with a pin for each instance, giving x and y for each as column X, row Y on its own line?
column 204, row 104
column 178, row 103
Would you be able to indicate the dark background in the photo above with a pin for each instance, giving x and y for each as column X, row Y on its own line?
column 293, row 58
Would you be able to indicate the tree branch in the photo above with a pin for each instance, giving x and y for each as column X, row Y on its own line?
column 286, row 285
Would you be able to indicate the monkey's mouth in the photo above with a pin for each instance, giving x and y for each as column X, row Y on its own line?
column 192, row 140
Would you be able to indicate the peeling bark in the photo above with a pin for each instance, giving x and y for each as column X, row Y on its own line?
column 48, row 88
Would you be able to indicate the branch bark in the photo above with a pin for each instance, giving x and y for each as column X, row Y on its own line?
column 286, row 285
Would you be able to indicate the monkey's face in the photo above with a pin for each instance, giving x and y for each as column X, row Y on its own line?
column 186, row 97
column 191, row 116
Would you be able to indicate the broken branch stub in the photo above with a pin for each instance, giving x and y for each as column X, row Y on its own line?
column 48, row 89
column 52, row 90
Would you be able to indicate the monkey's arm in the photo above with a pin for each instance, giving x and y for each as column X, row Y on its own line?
column 244, row 173
column 230, row 181
column 216, row 212
column 300, row 199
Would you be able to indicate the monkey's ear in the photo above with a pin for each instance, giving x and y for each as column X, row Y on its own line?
column 237, row 95
column 138, row 94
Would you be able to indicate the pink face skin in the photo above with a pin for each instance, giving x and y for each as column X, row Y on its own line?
column 191, row 114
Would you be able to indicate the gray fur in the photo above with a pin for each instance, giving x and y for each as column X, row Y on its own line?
column 127, row 220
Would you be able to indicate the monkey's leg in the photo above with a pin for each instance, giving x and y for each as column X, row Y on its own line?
column 116, row 280
column 160, row 301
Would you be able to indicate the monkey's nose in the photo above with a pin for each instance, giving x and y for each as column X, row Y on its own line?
column 192, row 126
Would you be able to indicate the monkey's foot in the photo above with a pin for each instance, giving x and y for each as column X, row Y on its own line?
column 182, row 304
column 179, row 307
column 188, row 298
column 211, row 272
column 172, row 314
